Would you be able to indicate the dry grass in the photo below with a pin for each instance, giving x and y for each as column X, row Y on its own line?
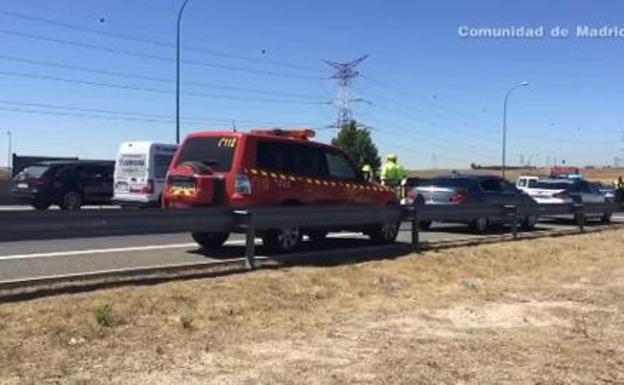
column 545, row 311
column 604, row 175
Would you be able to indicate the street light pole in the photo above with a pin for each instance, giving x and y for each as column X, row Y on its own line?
column 178, row 71
column 10, row 149
column 523, row 84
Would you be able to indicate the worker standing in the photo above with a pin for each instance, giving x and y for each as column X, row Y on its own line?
column 392, row 173
column 619, row 192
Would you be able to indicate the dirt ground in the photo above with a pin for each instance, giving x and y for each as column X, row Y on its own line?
column 547, row 311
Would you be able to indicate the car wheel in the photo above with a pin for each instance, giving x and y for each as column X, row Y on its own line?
column 480, row 225
column 529, row 223
column 285, row 240
column 606, row 217
column 38, row 205
column 71, row 201
column 424, row 225
column 317, row 235
column 385, row 232
column 210, row 241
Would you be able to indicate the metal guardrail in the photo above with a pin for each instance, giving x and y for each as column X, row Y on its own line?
column 32, row 225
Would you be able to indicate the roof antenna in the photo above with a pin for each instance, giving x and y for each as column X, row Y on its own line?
column 233, row 125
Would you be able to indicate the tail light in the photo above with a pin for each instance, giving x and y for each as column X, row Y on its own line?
column 459, row 197
column 40, row 181
column 149, row 187
column 242, row 184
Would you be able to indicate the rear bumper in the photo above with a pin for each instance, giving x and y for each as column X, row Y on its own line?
column 133, row 200
column 27, row 196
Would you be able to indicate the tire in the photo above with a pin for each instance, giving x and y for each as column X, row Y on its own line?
column 424, row 225
column 528, row 223
column 384, row 233
column 317, row 235
column 71, row 201
column 606, row 217
column 480, row 225
column 41, row 206
column 281, row 241
column 210, row 241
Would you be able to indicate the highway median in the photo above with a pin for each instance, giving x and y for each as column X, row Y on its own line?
column 529, row 311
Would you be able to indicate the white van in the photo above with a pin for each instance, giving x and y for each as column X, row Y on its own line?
column 140, row 172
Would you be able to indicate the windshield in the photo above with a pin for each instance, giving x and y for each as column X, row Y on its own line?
column 131, row 166
column 216, row 152
column 450, row 182
column 553, row 186
column 35, row 171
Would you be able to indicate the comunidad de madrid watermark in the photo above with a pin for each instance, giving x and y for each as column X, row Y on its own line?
column 539, row 32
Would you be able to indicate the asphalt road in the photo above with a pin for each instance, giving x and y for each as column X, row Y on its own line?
column 29, row 259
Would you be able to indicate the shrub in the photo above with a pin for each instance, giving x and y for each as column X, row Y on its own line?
column 104, row 315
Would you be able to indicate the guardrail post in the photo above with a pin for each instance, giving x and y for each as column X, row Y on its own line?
column 579, row 216
column 512, row 211
column 247, row 223
column 415, row 228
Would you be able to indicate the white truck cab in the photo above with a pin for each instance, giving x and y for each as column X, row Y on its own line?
column 140, row 173
column 526, row 182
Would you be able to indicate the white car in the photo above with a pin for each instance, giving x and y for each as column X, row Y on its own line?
column 140, row 173
column 561, row 191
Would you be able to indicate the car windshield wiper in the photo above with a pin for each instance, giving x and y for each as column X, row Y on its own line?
column 209, row 162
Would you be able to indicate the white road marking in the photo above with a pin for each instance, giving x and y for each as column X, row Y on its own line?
column 132, row 248
column 98, row 251
column 107, row 251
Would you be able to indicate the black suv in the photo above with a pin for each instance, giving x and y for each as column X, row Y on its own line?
column 68, row 184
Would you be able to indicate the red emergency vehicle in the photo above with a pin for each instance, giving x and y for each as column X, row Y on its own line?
column 269, row 168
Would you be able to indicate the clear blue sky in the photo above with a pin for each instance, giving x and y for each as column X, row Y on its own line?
column 436, row 97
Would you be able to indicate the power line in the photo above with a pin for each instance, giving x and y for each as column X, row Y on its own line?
column 436, row 106
column 128, row 75
column 438, row 125
column 158, row 43
column 105, row 114
column 144, row 55
column 153, row 90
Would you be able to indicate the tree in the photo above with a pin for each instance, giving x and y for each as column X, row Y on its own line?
column 358, row 144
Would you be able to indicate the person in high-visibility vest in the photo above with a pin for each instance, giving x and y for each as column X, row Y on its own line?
column 367, row 172
column 618, row 185
column 392, row 173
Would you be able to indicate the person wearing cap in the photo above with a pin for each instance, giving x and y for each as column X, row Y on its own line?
column 392, row 173
column 367, row 172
